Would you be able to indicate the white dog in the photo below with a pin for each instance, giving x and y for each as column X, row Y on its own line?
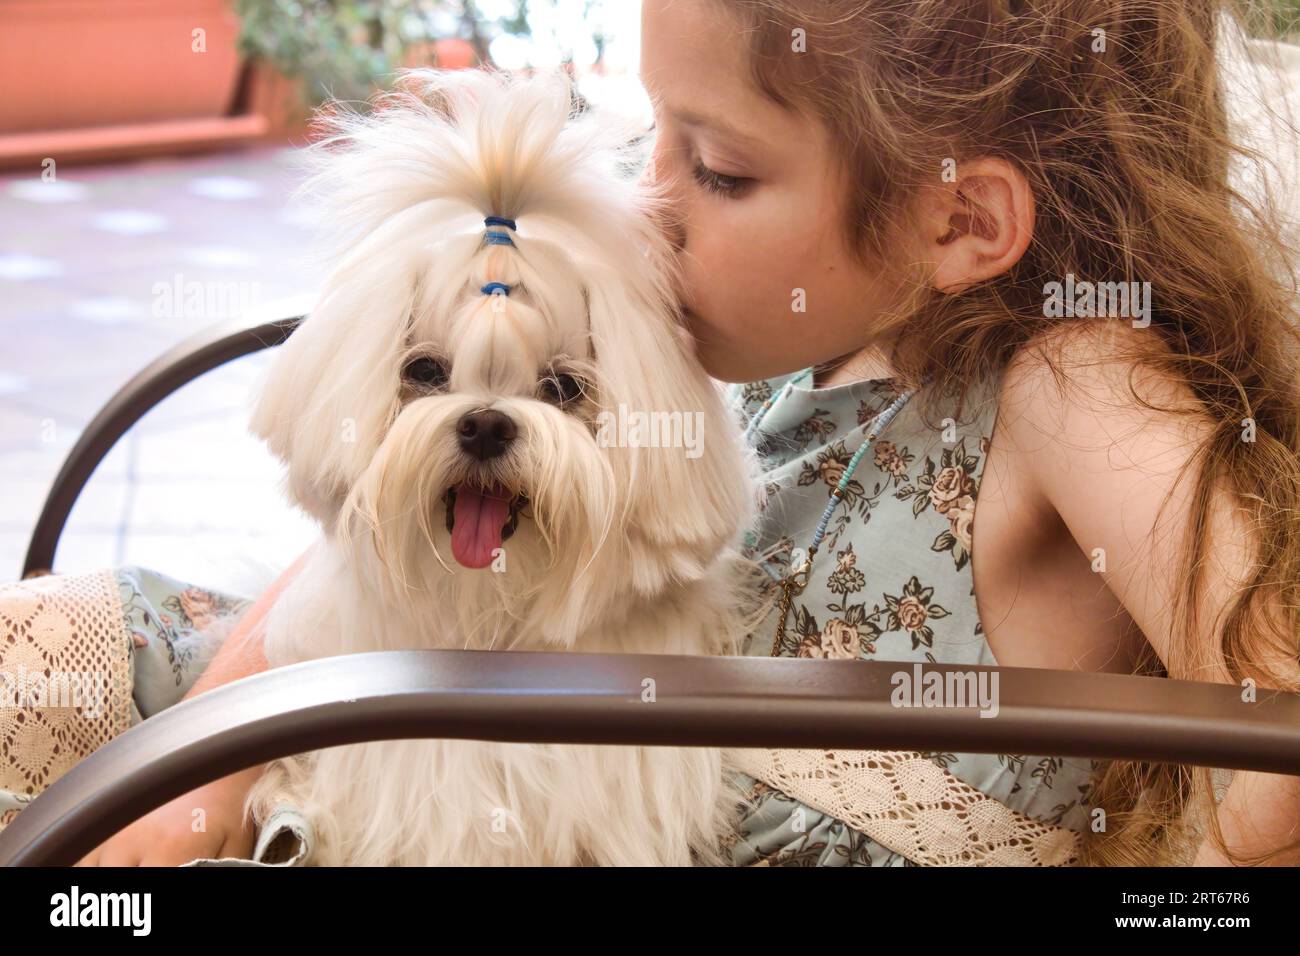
column 481, row 413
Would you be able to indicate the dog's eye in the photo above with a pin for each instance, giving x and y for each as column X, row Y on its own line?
column 425, row 372
column 561, row 388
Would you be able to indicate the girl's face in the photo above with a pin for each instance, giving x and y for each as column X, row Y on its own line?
column 770, row 285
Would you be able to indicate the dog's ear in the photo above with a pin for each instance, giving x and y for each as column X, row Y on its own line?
column 685, row 503
column 330, row 395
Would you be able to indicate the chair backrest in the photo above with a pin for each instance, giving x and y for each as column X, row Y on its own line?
column 597, row 699
column 588, row 698
column 165, row 375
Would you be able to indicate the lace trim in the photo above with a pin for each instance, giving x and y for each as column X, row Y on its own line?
column 65, row 678
column 911, row 805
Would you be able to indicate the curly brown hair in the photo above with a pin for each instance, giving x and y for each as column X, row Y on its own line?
column 1127, row 147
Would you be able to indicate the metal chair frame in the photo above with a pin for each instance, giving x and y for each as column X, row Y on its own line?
column 587, row 698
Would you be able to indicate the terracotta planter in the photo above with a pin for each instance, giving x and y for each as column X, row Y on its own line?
column 72, row 64
column 451, row 53
column 92, row 80
column 279, row 101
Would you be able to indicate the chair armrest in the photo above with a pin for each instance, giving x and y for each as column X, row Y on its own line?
column 597, row 699
column 179, row 366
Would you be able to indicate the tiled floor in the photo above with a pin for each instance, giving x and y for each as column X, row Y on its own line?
column 101, row 270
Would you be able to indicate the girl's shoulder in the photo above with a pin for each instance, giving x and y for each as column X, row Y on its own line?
column 1096, row 426
column 1096, row 387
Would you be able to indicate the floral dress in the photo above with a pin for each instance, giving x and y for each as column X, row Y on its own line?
column 892, row 581
column 176, row 629
column 166, row 633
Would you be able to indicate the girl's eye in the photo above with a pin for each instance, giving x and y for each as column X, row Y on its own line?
column 716, row 182
column 425, row 372
column 561, row 388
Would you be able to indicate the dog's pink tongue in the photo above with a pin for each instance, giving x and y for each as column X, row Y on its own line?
column 480, row 516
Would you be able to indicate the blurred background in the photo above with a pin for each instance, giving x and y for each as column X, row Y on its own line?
column 147, row 157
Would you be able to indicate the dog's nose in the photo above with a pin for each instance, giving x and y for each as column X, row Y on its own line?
column 485, row 434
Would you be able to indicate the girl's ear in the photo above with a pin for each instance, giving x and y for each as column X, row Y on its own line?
column 979, row 226
column 672, row 443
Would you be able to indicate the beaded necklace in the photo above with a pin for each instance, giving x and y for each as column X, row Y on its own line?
column 797, row 579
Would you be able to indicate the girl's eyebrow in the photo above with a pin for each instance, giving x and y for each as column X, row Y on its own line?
column 718, row 125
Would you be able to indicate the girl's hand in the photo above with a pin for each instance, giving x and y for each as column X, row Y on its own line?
column 206, row 823
column 1259, row 813
column 1210, row 855
column 177, row 832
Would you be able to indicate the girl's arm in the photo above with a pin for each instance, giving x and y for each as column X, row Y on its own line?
column 241, row 655
column 1258, row 814
column 207, row 822
column 1121, row 477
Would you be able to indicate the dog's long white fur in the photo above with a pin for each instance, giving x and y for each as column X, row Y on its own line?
column 621, row 550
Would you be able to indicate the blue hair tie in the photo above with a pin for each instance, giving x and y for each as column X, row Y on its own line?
column 493, row 288
column 498, row 238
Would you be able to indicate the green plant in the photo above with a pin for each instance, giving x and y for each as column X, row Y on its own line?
column 1287, row 17
column 1273, row 18
column 346, row 48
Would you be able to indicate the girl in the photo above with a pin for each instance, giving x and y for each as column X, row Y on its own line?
column 1001, row 233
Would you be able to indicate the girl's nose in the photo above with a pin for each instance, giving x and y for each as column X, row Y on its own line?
column 652, row 146
column 649, row 173
column 669, row 210
column 671, row 220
